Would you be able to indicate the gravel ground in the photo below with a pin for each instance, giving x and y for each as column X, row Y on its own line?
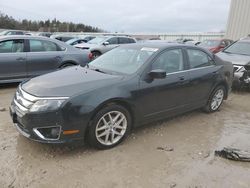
column 178, row 152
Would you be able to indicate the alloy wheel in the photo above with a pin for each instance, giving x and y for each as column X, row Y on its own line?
column 111, row 127
column 217, row 99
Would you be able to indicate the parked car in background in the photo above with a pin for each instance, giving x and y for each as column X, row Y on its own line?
column 193, row 42
column 124, row 88
column 183, row 40
column 239, row 54
column 45, row 34
column 79, row 40
column 215, row 45
column 153, row 41
column 62, row 38
column 22, row 57
column 12, row 32
column 29, row 33
column 103, row 44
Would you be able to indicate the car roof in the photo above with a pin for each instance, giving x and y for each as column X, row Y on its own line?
column 9, row 37
column 14, row 30
column 159, row 45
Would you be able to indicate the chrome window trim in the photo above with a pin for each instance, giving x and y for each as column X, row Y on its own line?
column 190, row 70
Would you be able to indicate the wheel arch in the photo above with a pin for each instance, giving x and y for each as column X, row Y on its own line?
column 68, row 62
column 96, row 50
column 117, row 101
column 224, row 84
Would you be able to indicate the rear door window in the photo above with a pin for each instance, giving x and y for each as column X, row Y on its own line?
column 123, row 40
column 12, row 46
column 131, row 40
column 198, row 58
column 43, row 46
column 113, row 40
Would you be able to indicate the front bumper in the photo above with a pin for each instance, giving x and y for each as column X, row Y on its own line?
column 29, row 124
column 241, row 77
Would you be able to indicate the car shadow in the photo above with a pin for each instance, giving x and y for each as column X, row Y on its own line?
column 80, row 147
column 9, row 85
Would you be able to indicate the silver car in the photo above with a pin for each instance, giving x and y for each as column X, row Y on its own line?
column 12, row 32
column 239, row 54
column 22, row 57
column 103, row 44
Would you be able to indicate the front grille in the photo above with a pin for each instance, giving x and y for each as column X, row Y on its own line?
column 23, row 101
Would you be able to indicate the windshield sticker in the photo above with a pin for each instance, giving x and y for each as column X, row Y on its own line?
column 149, row 49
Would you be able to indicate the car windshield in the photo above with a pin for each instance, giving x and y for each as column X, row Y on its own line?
column 209, row 43
column 97, row 40
column 71, row 41
column 3, row 32
column 123, row 60
column 242, row 48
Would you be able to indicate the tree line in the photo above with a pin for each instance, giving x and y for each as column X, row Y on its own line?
column 8, row 22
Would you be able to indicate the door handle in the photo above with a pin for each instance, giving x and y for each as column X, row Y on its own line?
column 181, row 78
column 21, row 59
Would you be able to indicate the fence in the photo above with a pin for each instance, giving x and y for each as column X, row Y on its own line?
column 163, row 36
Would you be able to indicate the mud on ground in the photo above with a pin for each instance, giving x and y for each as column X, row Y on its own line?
column 141, row 160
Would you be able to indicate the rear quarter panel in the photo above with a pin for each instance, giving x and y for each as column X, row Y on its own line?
column 227, row 71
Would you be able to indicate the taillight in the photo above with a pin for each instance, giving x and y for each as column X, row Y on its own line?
column 214, row 50
column 90, row 56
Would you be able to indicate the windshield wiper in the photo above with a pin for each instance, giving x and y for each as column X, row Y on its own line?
column 98, row 70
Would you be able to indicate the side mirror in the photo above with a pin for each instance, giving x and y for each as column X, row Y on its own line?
column 157, row 74
column 105, row 43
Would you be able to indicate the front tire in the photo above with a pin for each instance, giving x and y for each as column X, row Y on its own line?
column 95, row 55
column 110, row 126
column 215, row 99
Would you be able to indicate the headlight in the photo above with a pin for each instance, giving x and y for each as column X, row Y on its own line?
column 46, row 105
column 238, row 68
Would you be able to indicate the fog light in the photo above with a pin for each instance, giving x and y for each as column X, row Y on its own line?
column 48, row 133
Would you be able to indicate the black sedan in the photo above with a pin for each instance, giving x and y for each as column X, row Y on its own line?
column 22, row 57
column 126, row 87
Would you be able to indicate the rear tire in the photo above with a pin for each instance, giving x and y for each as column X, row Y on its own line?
column 110, row 126
column 216, row 99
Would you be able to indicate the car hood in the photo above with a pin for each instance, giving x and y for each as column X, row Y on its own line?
column 69, row 82
column 236, row 59
column 85, row 45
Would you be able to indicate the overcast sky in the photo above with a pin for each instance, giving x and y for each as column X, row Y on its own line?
column 127, row 15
